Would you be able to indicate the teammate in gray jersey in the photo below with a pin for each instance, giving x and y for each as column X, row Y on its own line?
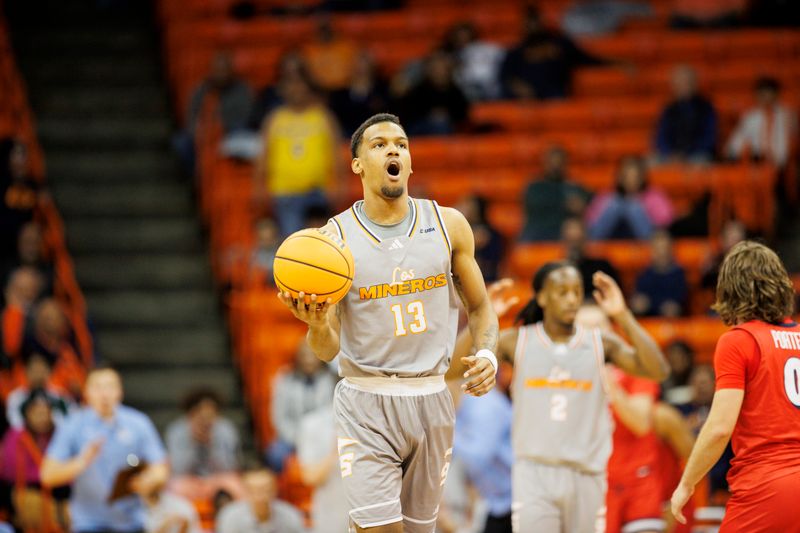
column 562, row 426
column 394, row 333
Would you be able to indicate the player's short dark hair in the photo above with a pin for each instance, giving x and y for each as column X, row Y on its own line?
column 358, row 135
column 753, row 285
column 768, row 83
column 199, row 395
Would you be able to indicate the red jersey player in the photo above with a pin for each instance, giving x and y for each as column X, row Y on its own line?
column 634, row 487
column 757, row 400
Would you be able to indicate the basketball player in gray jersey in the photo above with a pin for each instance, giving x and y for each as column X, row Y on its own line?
column 562, row 425
column 394, row 333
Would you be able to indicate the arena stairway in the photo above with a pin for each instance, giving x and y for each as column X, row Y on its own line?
column 103, row 119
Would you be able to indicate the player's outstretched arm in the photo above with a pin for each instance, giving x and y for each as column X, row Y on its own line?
column 482, row 319
column 710, row 444
column 644, row 358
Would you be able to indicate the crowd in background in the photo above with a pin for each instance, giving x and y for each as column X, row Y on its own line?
column 55, row 408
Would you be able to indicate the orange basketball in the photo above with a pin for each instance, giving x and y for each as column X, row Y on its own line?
column 314, row 262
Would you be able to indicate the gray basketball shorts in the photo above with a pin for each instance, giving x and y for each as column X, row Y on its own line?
column 394, row 451
column 556, row 499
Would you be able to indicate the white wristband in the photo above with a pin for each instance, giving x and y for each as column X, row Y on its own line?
column 487, row 354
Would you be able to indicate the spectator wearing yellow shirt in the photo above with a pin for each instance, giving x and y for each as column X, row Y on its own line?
column 299, row 157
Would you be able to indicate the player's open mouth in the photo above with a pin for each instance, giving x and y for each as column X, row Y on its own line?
column 393, row 169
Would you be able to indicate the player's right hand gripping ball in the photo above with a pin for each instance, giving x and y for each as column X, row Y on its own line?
column 314, row 262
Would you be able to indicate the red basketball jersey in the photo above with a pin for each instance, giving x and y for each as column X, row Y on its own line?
column 764, row 360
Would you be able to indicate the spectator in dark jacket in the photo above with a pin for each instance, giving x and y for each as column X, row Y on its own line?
column 551, row 199
column 661, row 289
column 436, row 105
column 541, row 65
column 488, row 241
column 366, row 95
column 687, row 129
column 573, row 236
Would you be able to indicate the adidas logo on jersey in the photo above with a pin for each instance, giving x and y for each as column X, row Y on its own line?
column 396, row 245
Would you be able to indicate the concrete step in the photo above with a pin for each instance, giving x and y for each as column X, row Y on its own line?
column 92, row 41
column 129, row 166
column 157, row 309
column 165, row 387
column 103, row 132
column 90, row 70
column 143, row 100
column 101, row 235
column 180, row 346
column 163, row 417
column 147, row 199
column 143, row 271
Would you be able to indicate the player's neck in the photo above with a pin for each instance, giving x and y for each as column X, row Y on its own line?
column 385, row 211
column 557, row 331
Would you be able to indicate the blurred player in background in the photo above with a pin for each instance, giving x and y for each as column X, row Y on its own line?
column 675, row 441
column 634, row 503
column 562, row 428
column 757, row 399
column 394, row 334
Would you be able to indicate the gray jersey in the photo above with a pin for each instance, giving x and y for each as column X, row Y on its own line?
column 561, row 413
column 400, row 316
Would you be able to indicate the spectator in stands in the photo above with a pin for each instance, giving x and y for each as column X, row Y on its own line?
column 690, row 14
column 260, row 511
column 222, row 94
column 489, row 244
column 634, row 209
column 300, row 157
column 573, row 237
column 20, row 193
column 319, row 466
column 202, row 442
column 733, row 232
column 35, row 508
column 680, row 357
column 435, row 105
column 30, row 253
column 541, row 66
column 23, row 288
column 482, row 443
column 100, row 444
column 767, row 131
column 170, row 513
column 307, row 387
column 552, row 198
column 51, row 338
column 687, row 128
column 365, row 95
column 477, row 62
column 290, row 65
column 38, row 370
column 331, row 59
column 661, row 290
column 263, row 255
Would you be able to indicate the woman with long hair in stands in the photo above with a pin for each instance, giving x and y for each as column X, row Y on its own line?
column 757, row 399
column 562, row 428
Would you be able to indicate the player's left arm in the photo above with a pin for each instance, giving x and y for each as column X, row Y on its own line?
column 479, row 370
column 644, row 358
column 710, row 444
